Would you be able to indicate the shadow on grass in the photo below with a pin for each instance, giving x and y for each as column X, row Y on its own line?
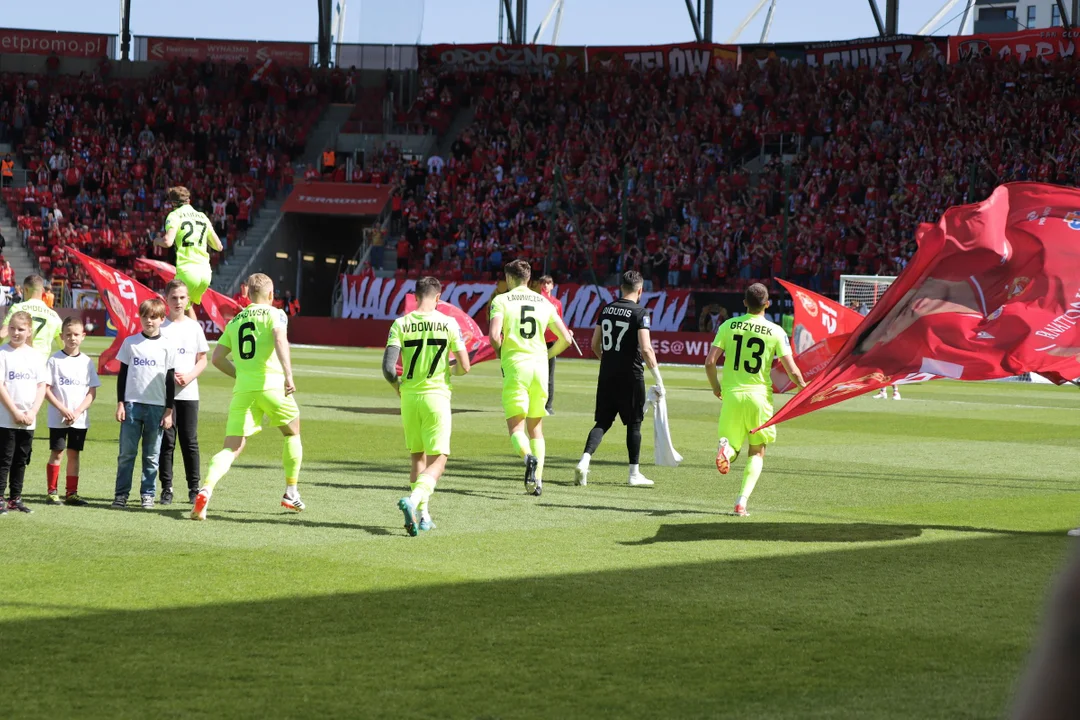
column 284, row 519
column 1063, row 485
column 849, row 633
column 382, row 410
column 810, row 532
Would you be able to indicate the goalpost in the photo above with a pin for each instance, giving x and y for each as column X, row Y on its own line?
column 861, row 293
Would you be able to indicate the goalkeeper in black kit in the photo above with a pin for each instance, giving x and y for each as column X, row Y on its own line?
column 621, row 341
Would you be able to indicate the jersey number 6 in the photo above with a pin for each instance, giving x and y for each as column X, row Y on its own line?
column 246, row 336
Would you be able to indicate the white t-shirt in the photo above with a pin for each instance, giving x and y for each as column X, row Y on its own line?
column 148, row 360
column 71, row 377
column 21, row 369
column 188, row 338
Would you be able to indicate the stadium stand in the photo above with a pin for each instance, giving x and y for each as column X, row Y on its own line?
column 873, row 151
column 100, row 152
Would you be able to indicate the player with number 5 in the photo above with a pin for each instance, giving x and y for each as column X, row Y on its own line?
column 748, row 344
column 257, row 337
column 192, row 232
column 519, row 318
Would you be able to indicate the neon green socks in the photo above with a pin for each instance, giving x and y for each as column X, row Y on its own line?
column 750, row 477
column 520, row 443
column 292, row 457
column 422, row 490
column 539, row 449
column 219, row 465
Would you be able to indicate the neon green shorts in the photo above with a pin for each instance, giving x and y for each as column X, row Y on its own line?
column 247, row 409
column 740, row 414
column 426, row 420
column 525, row 390
column 197, row 279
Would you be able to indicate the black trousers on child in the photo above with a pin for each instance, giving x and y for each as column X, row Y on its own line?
column 15, row 448
column 186, row 425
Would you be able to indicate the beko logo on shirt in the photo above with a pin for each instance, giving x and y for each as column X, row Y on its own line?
column 13, row 375
column 69, row 381
column 145, row 362
column 182, row 351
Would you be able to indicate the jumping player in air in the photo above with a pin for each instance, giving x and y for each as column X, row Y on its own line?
column 258, row 340
column 518, row 320
column 192, row 232
column 621, row 339
column 748, row 344
column 424, row 340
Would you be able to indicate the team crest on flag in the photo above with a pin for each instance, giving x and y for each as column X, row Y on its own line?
column 808, row 303
column 1072, row 219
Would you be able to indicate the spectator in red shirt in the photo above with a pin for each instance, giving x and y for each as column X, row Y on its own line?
column 241, row 298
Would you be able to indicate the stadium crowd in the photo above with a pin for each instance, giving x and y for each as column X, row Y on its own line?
column 655, row 167
column 101, row 151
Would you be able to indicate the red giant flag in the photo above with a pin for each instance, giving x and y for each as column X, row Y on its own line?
column 993, row 291
column 821, row 328
column 122, row 296
column 219, row 308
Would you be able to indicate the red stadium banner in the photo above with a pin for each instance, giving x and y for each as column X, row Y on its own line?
column 993, row 291
column 122, row 296
column 493, row 56
column 872, row 52
column 252, row 52
column 678, row 60
column 61, row 44
column 320, row 198
column 1047, row 44
column 215, row 311
column 369, row 297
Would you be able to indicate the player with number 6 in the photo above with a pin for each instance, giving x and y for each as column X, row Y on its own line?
column 192, row 232
column 748, row 344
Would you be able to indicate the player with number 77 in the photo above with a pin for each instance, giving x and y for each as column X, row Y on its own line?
column 192, row 233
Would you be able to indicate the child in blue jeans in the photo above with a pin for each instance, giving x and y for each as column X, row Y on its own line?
column 144, row 393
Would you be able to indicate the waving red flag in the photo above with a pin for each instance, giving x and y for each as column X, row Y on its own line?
column 992, row 292
column 219, row 308
column 821, row 327
column 122, row 296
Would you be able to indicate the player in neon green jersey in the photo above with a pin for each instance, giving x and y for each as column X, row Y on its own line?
column 46, row 323
column 748, row 344
column 519, row 318
column 257, row 337
column 192, row 232
column 424, row 340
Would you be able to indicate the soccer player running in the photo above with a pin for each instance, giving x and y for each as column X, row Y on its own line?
column 46, row 324
column 424, row 341
column 192, row 232
column 621, row 339
column 748, row 344
column 258, row 335
column 518, row 320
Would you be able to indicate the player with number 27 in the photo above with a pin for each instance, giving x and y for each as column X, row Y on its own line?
column 192, row 232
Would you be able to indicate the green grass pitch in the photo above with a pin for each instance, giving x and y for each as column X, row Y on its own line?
column 895, row 565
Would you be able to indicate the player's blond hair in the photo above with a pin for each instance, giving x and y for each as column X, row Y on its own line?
column 33, row 284
column 259, row 285
column 179, row 195
column 22, row 317
column 152, row 308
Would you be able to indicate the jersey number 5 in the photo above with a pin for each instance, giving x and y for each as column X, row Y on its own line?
column 246, row 337
column 527, row 321
column 418, row 345
column 756, row 347
column 187, row 229
column 606, row 334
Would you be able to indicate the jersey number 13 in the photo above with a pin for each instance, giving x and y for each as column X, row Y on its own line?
column 755, row 346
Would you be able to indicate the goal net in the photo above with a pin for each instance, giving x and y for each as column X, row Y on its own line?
column 861, row 293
